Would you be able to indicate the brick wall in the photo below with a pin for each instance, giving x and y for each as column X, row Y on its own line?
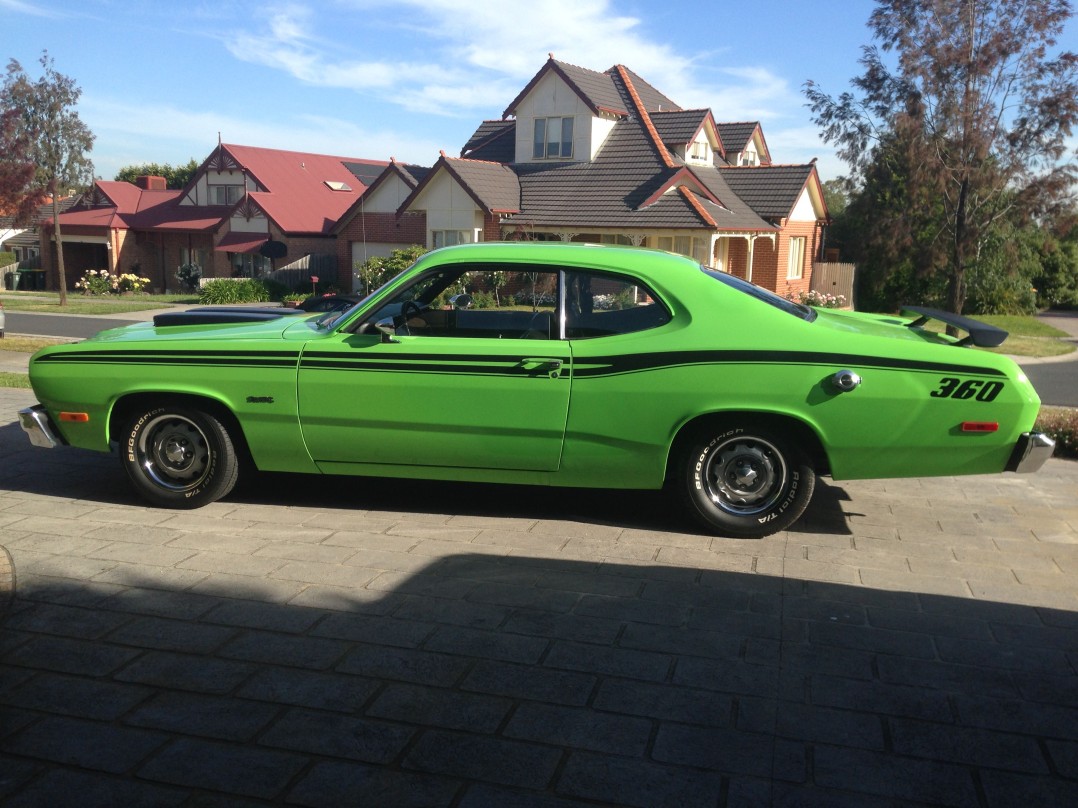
column 376, row 228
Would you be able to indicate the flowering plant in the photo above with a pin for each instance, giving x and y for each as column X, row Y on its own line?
column 96, row 282
column 129, row 282
column 102, row 282
column 819, row 299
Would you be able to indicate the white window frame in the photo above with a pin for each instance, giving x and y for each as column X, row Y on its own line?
column 795, row 265
column 694, row 247
column 543, row 148
column 231, row 191
column 447, row 238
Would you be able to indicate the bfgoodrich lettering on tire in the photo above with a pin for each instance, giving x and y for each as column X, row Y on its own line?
column 746, row 481
column 178, row 457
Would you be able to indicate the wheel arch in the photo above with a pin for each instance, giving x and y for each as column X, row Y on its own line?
column 796, row 431
column 130, row 403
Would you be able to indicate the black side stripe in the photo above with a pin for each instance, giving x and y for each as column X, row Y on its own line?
column 608, row 365
column 591, row 367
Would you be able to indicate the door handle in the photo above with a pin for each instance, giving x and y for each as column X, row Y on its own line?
column 551, row 366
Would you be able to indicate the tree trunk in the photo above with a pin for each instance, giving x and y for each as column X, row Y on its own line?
column 59, row 248
column 957, row 286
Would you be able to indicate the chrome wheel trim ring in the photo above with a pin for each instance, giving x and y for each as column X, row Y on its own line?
column 174, row 453
column 745, row 476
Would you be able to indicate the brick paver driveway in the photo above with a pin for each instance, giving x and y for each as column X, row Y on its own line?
column 376, row 643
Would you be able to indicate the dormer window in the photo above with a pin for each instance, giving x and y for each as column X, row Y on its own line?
column 553, row 138
column 225, row 194
column 698, row 151
column 749, row 157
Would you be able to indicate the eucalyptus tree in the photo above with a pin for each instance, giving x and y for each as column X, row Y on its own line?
column 967, row 97
column 44, row 118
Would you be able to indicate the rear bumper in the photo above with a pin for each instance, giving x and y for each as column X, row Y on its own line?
column 35, row 422
column 1030, row 453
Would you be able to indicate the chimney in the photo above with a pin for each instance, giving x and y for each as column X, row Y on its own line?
column 151, row 183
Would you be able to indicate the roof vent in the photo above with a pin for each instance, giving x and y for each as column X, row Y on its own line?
column 333, row 185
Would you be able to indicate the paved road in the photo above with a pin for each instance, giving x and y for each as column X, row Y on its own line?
column 339, row 641
column 1056, row 380
column 64, row 325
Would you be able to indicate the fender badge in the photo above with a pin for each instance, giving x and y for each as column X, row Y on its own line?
column 259, row 399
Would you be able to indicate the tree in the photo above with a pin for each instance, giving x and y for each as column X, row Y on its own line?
column 56, row 139
column 17, row 196
column 377, row 270
column 975, row 112
column 176, row 177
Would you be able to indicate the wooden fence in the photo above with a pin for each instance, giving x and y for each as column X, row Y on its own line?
column 834, row 279
column 297, row 275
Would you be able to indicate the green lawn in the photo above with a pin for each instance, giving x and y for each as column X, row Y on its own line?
column 1027, row 336
column 49, row 302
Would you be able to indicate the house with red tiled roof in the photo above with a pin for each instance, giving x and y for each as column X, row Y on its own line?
column 246, row 212
column 581, row 155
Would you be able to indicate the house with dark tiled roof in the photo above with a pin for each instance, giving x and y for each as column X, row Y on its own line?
column 581, row 155
column 371, row 227
column 239, row 199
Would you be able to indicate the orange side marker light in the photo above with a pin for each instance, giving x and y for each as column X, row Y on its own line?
column 75, row 417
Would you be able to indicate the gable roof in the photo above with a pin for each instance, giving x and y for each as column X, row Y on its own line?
column 736, row 136
column 598, row 90
column 771, row 191
column 411, row 175
column 297, row 194
column 493, row 187
column 494, row 141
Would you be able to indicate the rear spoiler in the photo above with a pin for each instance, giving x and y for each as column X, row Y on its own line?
column 980, row 334
column 219, row 315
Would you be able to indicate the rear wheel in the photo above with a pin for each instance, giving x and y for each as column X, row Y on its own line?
column 179, row 457
column 745, row 482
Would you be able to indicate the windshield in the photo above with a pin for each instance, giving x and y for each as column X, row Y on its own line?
column 758, row 292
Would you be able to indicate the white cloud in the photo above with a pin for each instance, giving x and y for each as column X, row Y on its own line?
column 138, row 133
column 21, row 7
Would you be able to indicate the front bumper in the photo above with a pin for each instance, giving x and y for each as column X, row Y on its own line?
column 1030, row 453
column 35, row 422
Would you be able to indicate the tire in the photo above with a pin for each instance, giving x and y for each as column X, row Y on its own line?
column 745, row 482
column 178, row 457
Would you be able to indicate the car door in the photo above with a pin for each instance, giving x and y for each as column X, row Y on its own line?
column 451, row 386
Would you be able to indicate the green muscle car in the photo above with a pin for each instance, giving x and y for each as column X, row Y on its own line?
column 547, row 364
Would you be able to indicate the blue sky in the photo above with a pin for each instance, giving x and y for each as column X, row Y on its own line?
column 406, row 78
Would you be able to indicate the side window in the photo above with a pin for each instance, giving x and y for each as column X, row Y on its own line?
column 491, row 302
column 598, row 305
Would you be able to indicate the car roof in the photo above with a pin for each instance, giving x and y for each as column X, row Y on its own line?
column 577, row 253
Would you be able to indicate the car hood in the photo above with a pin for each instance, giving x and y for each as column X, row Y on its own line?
column 293, row 326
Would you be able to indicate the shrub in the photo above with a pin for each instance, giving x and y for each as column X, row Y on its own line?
column 1060, row 424
column 819, row 299
column 188, row 275
column 227, row 290
column 97, row 282
column 7, row 258
column 130, row 282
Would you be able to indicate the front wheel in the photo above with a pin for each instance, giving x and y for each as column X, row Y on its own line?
column 745, row 482
column 178, row 457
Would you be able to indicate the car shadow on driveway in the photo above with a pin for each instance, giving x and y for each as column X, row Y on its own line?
column 503, row 680
column 88, row 475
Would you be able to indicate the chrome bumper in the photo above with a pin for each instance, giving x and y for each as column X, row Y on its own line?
column 1032, row 449
column 36, row 424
